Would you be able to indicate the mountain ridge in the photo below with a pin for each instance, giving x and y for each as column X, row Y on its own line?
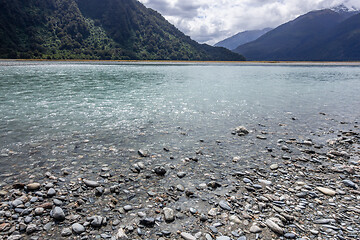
column 296, row 40
column 241, row 38
column 95, row 29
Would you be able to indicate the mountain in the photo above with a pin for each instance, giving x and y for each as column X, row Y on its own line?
column 241, row 38
column 299, row 39
column 95, row 29
column 342, row 43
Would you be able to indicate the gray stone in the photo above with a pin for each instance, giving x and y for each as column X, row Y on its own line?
column 168, row 214
column 128, row 208
column 255, row 229
column 274, row 227
column 120, row 235
column 181, row 174
column 66, row 232
column 350, row 183
column 225, row 205
column 223, row 238
column 187, row 236
column 241, row 130
column 144, row 153
column 91, row 183
column 39, row 211
column 78, row 228
column 51, row 192
column 96, row 221
column 31, row 228
column 16, row 203
column 160, row 170
column 58, row 214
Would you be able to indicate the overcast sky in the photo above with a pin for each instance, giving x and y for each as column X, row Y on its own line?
column 209, row 21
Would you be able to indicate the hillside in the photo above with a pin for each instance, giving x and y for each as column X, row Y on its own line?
column 95, row 29
column 298, row 39
column 342, row 43
column 241, row 38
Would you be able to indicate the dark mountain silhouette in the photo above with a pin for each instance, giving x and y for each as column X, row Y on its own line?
column 309, row 37
column 241, row 38
column 95, row 29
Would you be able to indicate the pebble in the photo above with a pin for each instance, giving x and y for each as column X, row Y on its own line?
column 168, row 214
column 31, row 228
column 160, row 170
column 187, row 236
column 58, row 214
column 274, row 227
column 181, row 174
column 223, row 238
column 33, row 186
column 91, row 183
column 120, row 235
column 350, row 183
column 225, row 205
column 326, row 191
column 78, row 228
column 255, row 229
column 274, row 166
column 51, row 192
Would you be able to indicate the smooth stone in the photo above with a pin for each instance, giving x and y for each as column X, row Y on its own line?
column 180, row 188
column 51, row 192
column 274, row 166
column 326, row 191
column 128, row 208
column 255, row 229
column 324, row 221
column 187, row 236
column 160, row 170
column 181, row 174
column 223, row 238
column 16, row 203
column 91, row 183
column 33, row 186
column 39, row 211
column 78, row 228
column 274, row 227
column 349, row 183
column 235, row 219
column 225, row 205
column 168, row 214
column 47, row 227
column 28, row 219
column 290, row 235
column 242, row 238
column 58, row 214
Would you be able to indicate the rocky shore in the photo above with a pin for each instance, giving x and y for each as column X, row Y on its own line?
column 294, row 188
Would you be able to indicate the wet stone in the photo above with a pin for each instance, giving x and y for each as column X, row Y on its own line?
column 148, row 222
column 350, row 184
column 159, row 170
column 181, row 174
column 290, row 236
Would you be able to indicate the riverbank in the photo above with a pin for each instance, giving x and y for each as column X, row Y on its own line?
column 304, row 187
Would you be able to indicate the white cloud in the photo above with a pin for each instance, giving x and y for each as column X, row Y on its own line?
column 210, row 21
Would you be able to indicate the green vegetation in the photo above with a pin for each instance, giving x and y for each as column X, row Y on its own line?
column 95, row 29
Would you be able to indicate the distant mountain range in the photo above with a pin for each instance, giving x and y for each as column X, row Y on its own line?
column 323, row 35
column 95, row 29
column 241, row 38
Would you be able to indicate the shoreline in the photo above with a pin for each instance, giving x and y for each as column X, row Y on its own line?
column 295, row 63
column 297, row 188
